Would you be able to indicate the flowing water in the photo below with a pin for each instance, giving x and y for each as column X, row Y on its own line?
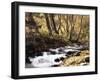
column 53, row 57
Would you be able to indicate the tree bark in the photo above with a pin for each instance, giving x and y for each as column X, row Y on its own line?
column 53, row 23
column 48, row 23
column 80, row 28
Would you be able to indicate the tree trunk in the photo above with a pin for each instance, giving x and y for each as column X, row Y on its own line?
column 72, row 24
column 48, row 24
column 53, row 23
column 80, row 29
